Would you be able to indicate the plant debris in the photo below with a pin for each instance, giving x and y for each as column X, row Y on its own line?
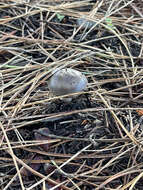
column 95, row 142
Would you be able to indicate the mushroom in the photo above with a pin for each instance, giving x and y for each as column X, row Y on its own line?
column 85, row 23
column 67, row 81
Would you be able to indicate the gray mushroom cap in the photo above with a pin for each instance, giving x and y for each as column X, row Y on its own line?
column 67, row 81
column 85, row 23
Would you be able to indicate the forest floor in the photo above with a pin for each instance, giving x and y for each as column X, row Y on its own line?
column 95, row 141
